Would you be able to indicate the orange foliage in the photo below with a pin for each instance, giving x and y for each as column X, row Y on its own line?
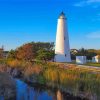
column 32, row 69
column 25, row 52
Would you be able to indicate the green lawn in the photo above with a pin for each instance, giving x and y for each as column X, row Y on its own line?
column 88, row 64
column 93, row 64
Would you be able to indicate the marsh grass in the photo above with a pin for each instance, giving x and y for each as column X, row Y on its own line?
column 67, row 77
column 74, row 79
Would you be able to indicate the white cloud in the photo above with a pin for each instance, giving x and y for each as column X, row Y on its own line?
column 93, row 1
column 94, row 35
column 86, row 2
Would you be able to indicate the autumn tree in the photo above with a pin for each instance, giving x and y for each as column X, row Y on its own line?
column 29, row 51
column 25, row 52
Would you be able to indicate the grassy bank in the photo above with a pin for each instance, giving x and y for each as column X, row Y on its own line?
column 68, row 77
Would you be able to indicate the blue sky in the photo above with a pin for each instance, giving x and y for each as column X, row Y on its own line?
column 23, row 21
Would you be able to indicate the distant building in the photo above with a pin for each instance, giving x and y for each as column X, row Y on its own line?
column 81, row 59
column 74, row 51
column 96, row 59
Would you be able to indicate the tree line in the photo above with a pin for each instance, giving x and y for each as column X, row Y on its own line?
column 45, row 51
column 33, row 51
column 89, row 53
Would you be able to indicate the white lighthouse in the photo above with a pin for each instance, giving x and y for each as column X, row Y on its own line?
column 62, row 48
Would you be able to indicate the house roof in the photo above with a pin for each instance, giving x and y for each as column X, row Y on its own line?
column 97, row 56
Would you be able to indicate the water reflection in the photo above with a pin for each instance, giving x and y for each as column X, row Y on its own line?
column 36, row 92
column 59, row 95
column 25, row 92
column 1, row 98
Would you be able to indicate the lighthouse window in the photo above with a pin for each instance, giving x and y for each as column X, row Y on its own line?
column 65, row 55
column 64, row 38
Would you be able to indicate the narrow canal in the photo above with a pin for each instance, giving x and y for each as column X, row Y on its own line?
column 26, row 92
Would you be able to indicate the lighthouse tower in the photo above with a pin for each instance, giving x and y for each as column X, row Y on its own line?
column 62, row 48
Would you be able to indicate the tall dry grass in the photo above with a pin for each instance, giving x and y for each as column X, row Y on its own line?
column 71, row 77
